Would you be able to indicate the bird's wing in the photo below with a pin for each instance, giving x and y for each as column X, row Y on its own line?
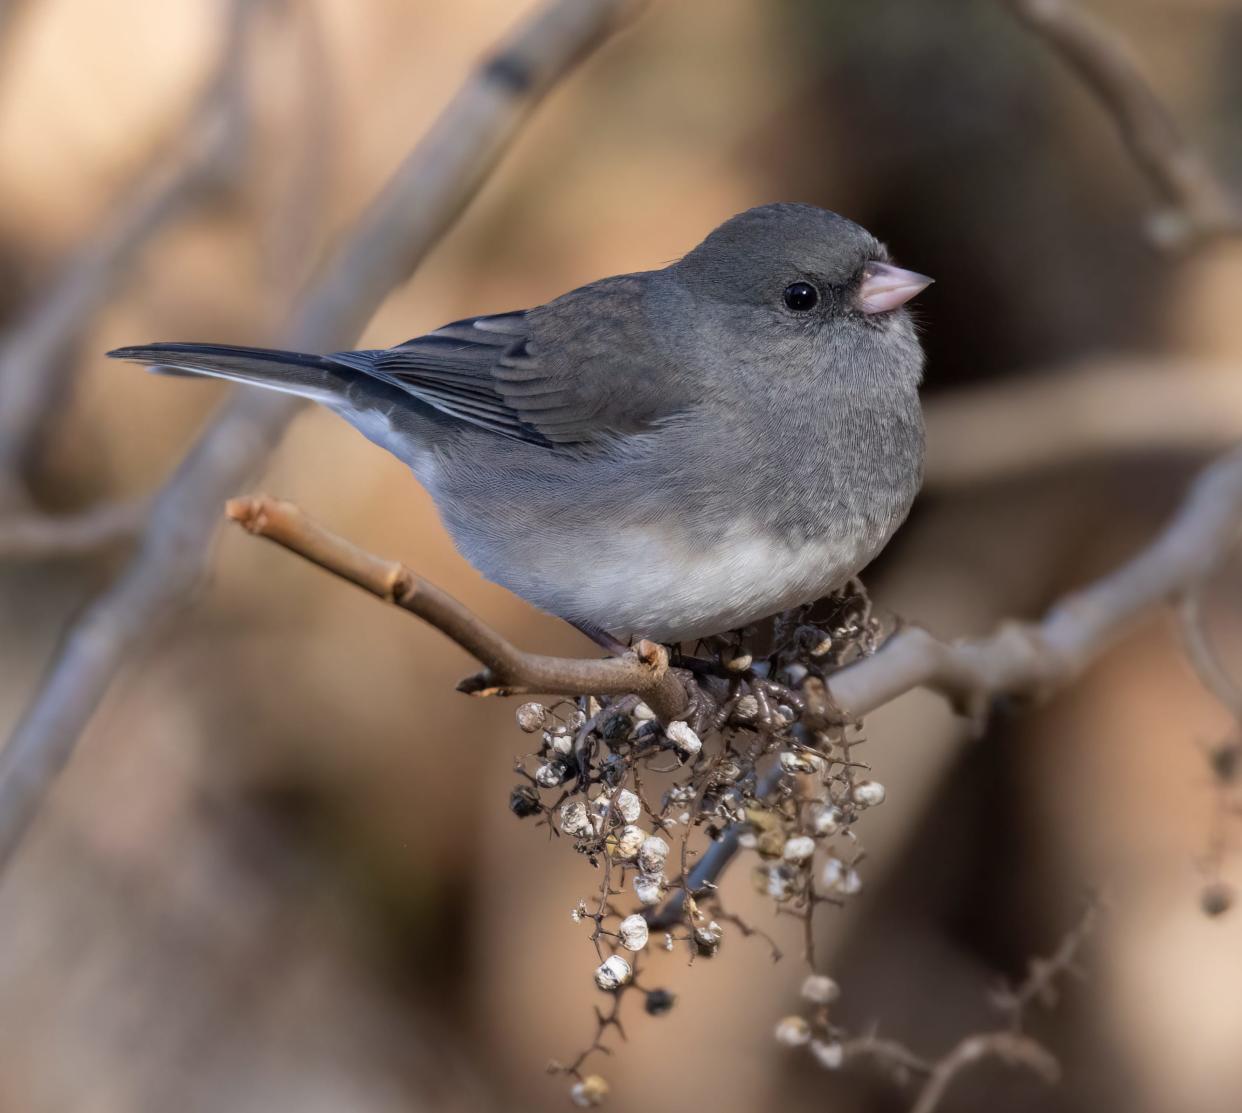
column 572, row 372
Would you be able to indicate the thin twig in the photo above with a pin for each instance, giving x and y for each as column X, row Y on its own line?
column 643, row 671
column 1009, row 1047
column 1044, row 972
column 391, row 238
column 1199, row 207
column 36, row 356
column 1066, row 417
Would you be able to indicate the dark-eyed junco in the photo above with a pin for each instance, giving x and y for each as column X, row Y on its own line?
column 665, row 454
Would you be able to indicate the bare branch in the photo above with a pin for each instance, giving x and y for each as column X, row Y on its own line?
column 1028, row 659
column 643, row 671
column 27, row 536
column 1042, row 974
column 36, row 356
column 1010, row 1048
column 1199, row 207
column 1064, row 417
column 427, row 192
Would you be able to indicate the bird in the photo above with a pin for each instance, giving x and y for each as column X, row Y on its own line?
column 669, row 454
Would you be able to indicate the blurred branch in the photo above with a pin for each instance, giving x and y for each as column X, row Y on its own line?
column 36, row 355
column 427, row 192
column 35, row 535
column 1011, row 1048
column 1011, row 1045
column 643, row 671
column 294, row 231
column 1202, row 654
column 1200, row 206
column 998, row 431
column 1028, row 659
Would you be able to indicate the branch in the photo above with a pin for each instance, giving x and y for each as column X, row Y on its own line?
column 1011, row 1048
column 1061, row 418
column 1199, row 207
column 391, row 238
column 35, row 357
column 1029, row 659
column 643, row 671
column 27, row 536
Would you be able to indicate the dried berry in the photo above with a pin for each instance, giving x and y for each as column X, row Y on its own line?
column 524, row 801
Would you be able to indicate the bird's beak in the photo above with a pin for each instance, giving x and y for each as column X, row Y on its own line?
column 886, row 287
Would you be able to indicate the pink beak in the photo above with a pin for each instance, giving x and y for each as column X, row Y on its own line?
column 886, row 287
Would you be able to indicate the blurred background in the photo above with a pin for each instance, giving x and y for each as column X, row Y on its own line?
column 280, row 873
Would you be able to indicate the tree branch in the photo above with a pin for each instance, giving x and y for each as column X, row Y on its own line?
column 33, row 535
column 1064, row 417
column 36, row 356
column 1011, row 1048
column 643, row 671
column 1199, row 207
column 425, row 195
column 1028, row 659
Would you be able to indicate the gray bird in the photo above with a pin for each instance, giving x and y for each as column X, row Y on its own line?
column 666, row 454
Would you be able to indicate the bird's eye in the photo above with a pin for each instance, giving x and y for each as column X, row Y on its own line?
column 801, row 296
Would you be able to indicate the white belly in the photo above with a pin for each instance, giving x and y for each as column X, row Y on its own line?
column 648, row 582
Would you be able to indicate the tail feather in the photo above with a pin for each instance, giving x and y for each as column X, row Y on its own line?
column 309, row 376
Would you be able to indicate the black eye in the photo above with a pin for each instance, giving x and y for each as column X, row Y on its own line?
column 801, row 296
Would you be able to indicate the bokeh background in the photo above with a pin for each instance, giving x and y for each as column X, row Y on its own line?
column 280, row 874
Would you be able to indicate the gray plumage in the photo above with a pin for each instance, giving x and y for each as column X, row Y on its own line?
column 668, row 454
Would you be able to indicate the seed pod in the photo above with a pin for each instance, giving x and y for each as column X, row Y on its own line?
column 649, row 888
column 574, row 820
column 524, row 801
column 868, row 794
column 628, row 842
column 826, row 819
column 707, row 939
column 591, row 1091
column 612, row 973
column 658, row 1002
column 841, row 878
column 792, row 1031
column 798, row 849
column 531, row 717
column 684, row 740
column 1216, row 898
column 652, row 854
column 820, row 989
column 746, row 710
column 830, row 1056
column 634, row 932
column 550, row 774
column 794, row 761
column 626, row 808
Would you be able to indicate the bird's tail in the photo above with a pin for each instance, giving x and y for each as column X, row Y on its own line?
column 316, row 377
